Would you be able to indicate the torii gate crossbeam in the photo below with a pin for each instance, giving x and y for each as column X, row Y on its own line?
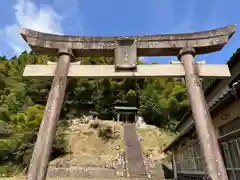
column 126, row 50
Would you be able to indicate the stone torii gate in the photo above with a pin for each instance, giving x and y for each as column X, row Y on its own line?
column 126, row 50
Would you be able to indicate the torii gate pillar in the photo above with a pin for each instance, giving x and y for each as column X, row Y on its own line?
column 203, row 123
column 43, row 146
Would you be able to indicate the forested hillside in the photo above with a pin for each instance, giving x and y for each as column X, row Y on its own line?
column 161, row 102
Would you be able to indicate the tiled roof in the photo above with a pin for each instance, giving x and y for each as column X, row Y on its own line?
column 127, row 108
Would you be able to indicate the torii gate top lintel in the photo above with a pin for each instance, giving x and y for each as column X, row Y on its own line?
column 148, row 45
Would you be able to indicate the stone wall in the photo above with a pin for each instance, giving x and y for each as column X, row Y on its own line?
column 81, row 172
column 113, row 169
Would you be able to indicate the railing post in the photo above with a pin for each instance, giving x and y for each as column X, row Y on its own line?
column 203, row 123
column 43, row 146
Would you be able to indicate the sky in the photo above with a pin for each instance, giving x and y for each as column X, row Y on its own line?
column 118, row 17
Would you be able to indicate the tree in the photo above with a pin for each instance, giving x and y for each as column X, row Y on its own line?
column 161, row 101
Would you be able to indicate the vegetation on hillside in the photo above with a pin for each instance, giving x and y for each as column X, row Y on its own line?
column 161, row 101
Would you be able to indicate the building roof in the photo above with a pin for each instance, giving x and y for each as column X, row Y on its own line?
column 211, row 84
column 126, row 108
column 95, row 113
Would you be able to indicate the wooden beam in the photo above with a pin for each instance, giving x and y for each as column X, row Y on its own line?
column 142, row 71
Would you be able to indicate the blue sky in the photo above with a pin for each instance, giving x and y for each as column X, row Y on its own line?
column 117, row 17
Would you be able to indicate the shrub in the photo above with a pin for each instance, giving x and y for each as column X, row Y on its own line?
column 4, row 114
column 7, row 170
column 105, row 132
column 94, row 124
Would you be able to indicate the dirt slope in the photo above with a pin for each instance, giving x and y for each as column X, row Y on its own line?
column 86, row 148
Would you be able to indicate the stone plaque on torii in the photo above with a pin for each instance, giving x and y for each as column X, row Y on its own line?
column 126, row 50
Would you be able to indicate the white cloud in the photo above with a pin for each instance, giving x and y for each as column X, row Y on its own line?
column 28, row 15
column 141, row 58
column 144, row 59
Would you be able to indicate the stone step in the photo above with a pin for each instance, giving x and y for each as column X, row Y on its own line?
column 133, row 153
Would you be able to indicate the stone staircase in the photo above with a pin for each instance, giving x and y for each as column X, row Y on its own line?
column 133, row 153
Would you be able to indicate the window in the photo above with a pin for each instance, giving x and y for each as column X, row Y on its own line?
column 189, row 159
column 178, row 159
column 231, row 149
column 198, row 158
column 231, row 155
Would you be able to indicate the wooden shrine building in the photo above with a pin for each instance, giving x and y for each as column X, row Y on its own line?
column 126, row 113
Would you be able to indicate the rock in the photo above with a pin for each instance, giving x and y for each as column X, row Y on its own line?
column 140, row 122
